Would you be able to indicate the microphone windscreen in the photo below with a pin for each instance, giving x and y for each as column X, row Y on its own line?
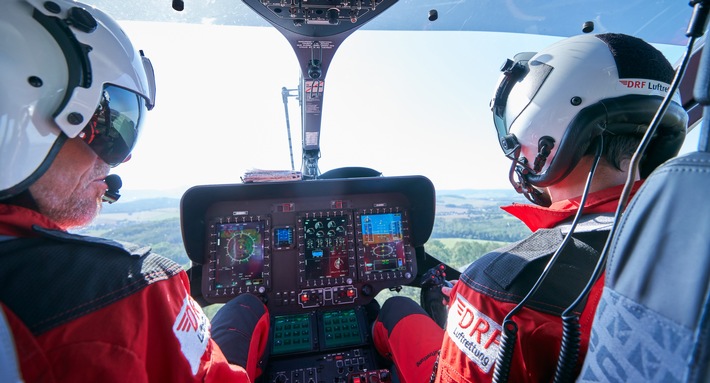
column 113, row 181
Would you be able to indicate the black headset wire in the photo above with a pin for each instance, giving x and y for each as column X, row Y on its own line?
column 571, row 335
column 510, row 328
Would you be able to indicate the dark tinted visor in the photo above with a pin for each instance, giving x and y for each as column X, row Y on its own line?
column 113, row 130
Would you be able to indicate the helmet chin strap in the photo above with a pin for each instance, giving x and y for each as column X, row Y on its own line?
column 518, row 177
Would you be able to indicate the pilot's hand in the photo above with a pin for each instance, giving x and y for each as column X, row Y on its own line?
column 446, row 290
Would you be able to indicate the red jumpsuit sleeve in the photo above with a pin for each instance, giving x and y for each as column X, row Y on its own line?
column 158, row 334
column 181, row 339
column 30, row 363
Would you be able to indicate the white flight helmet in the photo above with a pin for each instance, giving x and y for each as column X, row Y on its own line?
column 550, row 105
column 67, row 70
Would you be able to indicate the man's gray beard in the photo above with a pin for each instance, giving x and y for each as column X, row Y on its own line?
column 72, row 212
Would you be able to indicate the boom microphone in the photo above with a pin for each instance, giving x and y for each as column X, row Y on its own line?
column 113, row 182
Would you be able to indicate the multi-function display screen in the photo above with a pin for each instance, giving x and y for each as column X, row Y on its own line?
column 283, row 238
column 239, row 254
column 326, row 247
column 382, row 238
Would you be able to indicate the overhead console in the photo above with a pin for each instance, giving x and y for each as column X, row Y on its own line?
column 318, row 18
column 307, row 244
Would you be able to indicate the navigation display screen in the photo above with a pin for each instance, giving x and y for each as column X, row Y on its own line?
column 283, row 238
column 240, row 254
column 382, row 239
column 325, row 241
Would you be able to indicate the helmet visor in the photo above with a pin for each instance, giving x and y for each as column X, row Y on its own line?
column 528, row 79
column 113, row 130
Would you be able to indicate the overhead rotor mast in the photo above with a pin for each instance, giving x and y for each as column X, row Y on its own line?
column 315, row 29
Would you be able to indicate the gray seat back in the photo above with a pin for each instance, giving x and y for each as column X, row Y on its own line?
column 651, row 324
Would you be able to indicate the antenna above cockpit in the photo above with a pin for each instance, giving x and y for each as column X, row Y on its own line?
column 285, row 94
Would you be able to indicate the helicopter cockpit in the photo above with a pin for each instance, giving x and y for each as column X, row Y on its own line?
column 319, row 248
column 316, row 250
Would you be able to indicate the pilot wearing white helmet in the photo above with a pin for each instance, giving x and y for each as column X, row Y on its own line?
column 549, row 108
column 74, row 95
column 569, row 118
column 67, row 72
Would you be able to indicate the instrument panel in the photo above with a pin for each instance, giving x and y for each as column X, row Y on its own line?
column 316, row 253
column 307, row 244
column 307, row 252
column 326, row 250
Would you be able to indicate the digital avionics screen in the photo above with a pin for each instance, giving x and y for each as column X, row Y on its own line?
column 382, row 239
column 283, row 238
column 326, row 248
column 240, row 254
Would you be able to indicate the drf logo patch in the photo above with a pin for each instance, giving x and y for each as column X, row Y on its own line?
column 192, row 328
column 645, row 85
column 474, row 333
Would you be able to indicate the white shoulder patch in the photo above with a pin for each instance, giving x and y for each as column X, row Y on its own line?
column 192, row 328
column 474, row 333
column 9, row 365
